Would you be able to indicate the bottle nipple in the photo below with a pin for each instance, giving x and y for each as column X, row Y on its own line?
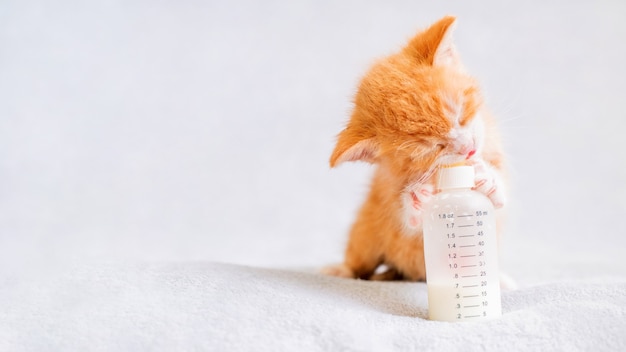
column 456, row 176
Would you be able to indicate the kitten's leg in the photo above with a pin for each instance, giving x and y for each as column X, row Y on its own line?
column 356, row 268
column 363, row 255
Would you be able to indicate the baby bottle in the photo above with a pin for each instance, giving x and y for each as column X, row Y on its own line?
column 460, row 250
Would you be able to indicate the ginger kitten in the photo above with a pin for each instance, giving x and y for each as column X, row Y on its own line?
column 413, row 111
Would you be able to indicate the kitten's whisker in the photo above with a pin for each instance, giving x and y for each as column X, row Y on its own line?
column 418, row 152
column 403, row 146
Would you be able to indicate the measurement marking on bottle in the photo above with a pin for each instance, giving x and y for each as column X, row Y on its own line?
column 466, row 236
column 470, row 225
column 469, row 276
column 464, row 216
column 468, row 256
column 476, row 306
column 468, row 245
column 471, row 296
column 470, row 286
column 468, row 266
column 472, row 316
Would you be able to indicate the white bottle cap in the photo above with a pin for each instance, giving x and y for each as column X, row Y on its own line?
column 456, row 177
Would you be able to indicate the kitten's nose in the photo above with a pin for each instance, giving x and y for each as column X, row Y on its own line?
column 467, row 149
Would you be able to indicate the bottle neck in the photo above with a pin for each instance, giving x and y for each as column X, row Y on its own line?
column 456, row 177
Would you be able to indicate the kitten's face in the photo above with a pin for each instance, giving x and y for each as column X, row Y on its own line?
column 415, row 109
column 426, row 115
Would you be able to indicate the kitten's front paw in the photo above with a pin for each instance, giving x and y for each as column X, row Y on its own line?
column 414, row 202
column 421, row 195
column 487, row 182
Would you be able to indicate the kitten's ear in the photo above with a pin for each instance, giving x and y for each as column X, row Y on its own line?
column 354, row 146
column 446, row 54
column 435, row 46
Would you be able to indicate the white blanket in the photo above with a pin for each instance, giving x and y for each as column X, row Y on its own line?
column 194, row 136
column 223, row 307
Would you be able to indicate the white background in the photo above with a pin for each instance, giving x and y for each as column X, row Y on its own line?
column 201, row 130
